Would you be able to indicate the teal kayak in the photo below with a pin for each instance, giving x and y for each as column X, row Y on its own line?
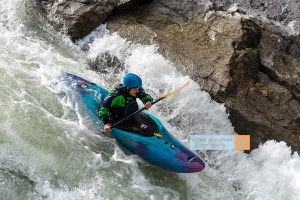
column 157, row 145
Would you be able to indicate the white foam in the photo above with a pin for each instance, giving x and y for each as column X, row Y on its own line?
column 269, row 172
column 294, row 27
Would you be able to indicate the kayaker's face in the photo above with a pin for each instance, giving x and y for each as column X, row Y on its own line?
column 134, row 91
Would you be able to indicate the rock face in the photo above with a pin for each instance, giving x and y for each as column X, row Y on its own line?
column 265, row 72
column 279, row 10
column 80, row 17
column 251, row 66
column 187, row 8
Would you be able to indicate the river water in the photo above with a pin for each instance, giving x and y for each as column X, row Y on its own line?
column 49, row 149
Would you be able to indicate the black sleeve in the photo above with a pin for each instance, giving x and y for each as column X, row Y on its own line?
column 143, row 96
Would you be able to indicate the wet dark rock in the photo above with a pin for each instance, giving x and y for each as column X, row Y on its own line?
column 105, row 63
column 281, row 10
column 190, row 9
column 80, row 17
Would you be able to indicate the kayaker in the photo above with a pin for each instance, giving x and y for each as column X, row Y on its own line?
column 121, row 102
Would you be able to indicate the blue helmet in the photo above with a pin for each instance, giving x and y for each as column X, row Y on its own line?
column 131, row 80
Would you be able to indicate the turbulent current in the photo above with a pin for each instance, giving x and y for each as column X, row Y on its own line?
column 49, row 149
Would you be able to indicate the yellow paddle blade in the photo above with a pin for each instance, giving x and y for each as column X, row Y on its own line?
column 175, row 91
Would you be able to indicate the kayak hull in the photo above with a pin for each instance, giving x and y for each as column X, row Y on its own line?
column 161, row 149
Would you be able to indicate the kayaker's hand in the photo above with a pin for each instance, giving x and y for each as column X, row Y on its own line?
column 107, row 128
column 148, row 105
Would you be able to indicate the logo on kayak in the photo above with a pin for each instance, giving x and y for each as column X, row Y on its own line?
column 143, row 126
column 129, row 141
column 82, row 84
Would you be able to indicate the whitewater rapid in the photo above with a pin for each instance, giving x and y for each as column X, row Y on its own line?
column 50, row 150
